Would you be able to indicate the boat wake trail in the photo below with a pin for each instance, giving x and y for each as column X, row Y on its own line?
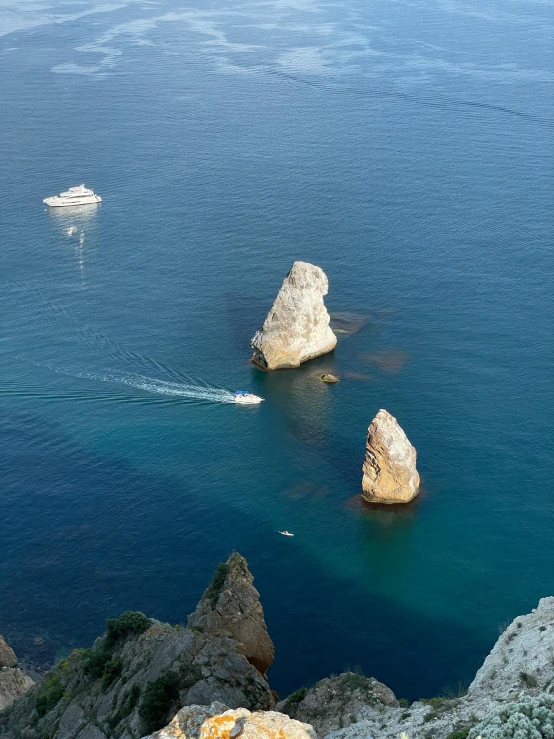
column 204, row 393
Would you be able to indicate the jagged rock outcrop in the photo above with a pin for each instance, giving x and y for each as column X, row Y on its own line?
column 231, row 607
column 389, row 468
column 13, row 681
column 297, row 326
column 141, row 672
column 516, row 679
column 217, row 722
column 7, row 655
column 522, row 658
column 334, row 702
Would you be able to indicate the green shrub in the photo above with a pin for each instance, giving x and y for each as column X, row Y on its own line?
column 189, row 675
column 159, row 695
column 131, row 699
column 130, row 622
column 112, row 669
column 94, row 661
column 50, row 695
column 528, row 718
column 403, row 703
column 353, row 681
column 217, row 583
column 529, row 680
column 456, row 690
column 460, row 734
column 298, row 695
column 436, row 703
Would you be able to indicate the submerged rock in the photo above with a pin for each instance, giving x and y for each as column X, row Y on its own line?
column 297, row 326
column 389, row 469
column 330, row 379
column 13, row 681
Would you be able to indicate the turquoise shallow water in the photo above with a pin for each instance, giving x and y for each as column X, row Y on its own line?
column 407, row 149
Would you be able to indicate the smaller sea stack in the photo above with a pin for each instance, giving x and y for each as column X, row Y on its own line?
column 297, row 326
column 389, row 469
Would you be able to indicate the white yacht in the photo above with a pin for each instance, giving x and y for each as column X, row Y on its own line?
column 245, row 398
column 79, row 195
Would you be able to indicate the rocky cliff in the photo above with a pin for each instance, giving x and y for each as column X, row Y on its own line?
column 145, row 678
column 389, row 468
column 140, row 672
column 13, row 681
column 512, row 692
column 297, row 326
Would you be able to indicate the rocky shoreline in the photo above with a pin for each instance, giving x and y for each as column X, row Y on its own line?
column 144, row 678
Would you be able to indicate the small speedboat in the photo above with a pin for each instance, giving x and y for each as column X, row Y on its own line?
column 285, row 533
column 245, row 398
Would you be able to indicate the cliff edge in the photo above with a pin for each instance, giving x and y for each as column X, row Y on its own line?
column 141, row 671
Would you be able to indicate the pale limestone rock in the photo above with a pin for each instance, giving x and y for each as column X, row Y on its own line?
column 520, row 664
column 13, row 681
column 297, row 326
column 216, row 722
column 231, row 607
column 389, row 469
column 187, row 723
column 241, row 724
column 334, row 702
column 7, row 655
column 522, row 658
column 13, row 684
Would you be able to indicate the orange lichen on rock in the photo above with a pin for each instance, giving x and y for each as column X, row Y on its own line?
column 241, row 724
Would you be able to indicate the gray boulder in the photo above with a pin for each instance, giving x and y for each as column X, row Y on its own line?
column 217, row 722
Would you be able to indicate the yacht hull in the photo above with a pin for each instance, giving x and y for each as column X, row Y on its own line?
column 57, row 202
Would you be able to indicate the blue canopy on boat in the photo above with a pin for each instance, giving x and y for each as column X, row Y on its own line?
column 241, row 392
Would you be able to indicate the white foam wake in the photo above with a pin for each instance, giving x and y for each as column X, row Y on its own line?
column 163, row 387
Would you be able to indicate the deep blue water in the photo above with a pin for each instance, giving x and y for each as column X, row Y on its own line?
column 406, row 148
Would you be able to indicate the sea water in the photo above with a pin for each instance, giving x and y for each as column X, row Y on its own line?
column 406, row 148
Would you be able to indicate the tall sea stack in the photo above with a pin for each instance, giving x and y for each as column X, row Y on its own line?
column 297, row 326
column 389, row 469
